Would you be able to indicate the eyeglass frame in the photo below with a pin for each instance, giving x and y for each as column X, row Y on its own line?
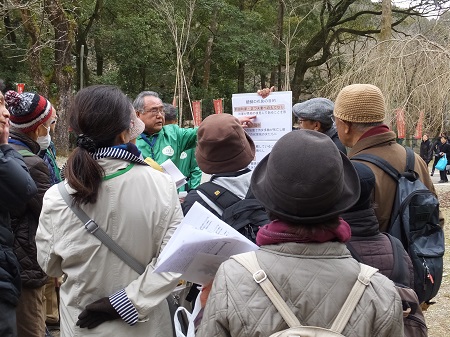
column 154, row 111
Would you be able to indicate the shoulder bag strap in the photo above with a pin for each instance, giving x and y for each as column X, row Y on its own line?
column 353, row 298
column 99, row 233
column 217, row 197
column 250, row 262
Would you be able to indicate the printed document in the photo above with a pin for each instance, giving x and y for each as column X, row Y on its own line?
column 199, row 245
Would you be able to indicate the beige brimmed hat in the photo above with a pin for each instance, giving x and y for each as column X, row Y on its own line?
column 360, row 103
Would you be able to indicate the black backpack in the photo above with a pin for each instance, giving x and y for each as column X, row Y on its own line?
column 413, row 318
column 415, row 222
column 245, row 215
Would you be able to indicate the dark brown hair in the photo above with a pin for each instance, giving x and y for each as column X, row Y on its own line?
column 101, row 113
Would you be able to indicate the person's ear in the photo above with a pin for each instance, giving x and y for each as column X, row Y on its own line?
column 347, row 127
column 123, row 137
column 317, row 126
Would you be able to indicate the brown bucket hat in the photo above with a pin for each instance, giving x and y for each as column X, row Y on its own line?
column 306, row 179
column 222, row 145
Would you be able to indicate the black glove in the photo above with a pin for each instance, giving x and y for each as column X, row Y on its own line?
column 96, row 313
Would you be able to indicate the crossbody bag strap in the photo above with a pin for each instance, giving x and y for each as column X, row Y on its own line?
column 250, row 262
column 99, row 233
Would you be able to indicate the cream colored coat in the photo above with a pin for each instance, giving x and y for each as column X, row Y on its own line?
column 314, row 279
column 140, row 210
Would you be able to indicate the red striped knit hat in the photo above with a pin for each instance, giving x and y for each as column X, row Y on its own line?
column 28, row 110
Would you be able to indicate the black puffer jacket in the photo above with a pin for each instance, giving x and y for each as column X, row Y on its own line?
column 375, row 249
column 16, row 188
column 24, row 220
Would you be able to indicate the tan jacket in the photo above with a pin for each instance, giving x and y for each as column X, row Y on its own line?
column 314, row 279
column 385, row 146
column 140, row 211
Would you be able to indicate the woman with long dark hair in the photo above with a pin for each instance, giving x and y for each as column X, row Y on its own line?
column 134, row 204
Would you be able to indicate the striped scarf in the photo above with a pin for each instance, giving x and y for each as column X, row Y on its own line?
column 128, row 152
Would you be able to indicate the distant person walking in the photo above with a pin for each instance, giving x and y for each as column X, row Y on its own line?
column 426, row 149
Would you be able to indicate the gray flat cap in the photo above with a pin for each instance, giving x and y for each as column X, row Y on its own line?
column 315, row 109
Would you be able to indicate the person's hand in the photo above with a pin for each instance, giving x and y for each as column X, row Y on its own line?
column 247, row 122
column 265, row 92
column 97, row 313
column 206, row 289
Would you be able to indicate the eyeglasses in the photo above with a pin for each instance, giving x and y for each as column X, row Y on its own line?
column 155, row 111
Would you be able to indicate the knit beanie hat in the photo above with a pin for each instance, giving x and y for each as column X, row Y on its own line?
column 360, row 103
column 223, row 145
column 315, row 109
column 28, row 110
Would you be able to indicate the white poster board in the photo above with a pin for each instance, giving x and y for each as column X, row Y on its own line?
column 262, row 148
column 273, row 114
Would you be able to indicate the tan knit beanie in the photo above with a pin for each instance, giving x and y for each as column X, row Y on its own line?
column 360, row 103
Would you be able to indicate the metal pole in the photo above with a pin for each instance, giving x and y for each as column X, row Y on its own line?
column 81, row 66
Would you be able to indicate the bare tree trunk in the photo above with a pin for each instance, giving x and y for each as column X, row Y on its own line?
column 263, row 80
column 208, row 50
column 280, row 22
column 34, row 53
column 99, row 57
column 386, row 20
column 63, row 70
column 241, row 77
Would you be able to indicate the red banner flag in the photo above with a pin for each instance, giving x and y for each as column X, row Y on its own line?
column 218, row 105
column 197, row 112
column 419, row 126
column 401, row 132
column 20, row 87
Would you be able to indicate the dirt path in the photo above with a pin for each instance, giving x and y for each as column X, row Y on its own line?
column 437, row 316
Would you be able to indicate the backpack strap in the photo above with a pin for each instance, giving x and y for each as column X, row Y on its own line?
column 26, row 153
column 379, row 162
column 353, row 298
column 353, row 251
column 409, row 173
column 250, row 262
column 217, row 197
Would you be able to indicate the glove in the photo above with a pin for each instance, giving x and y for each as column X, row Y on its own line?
column 96, row 313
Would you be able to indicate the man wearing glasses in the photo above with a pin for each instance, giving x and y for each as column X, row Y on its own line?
column 157, row 142
column 161, row 143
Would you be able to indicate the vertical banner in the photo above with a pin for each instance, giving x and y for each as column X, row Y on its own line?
column 218, row 105
column 401, row 132
column 20, row 87
column 197, row 112
column 419, row 126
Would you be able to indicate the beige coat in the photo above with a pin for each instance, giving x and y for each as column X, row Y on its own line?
column 385, row 146
column 314, row 279
column 140, row 211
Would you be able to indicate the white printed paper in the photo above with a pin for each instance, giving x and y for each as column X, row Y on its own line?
column 273, row 114
column 170, row 168
column 199, row 245
column 262, row 149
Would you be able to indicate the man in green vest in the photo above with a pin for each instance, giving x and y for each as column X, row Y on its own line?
column 161, row 142
column 187, row 163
